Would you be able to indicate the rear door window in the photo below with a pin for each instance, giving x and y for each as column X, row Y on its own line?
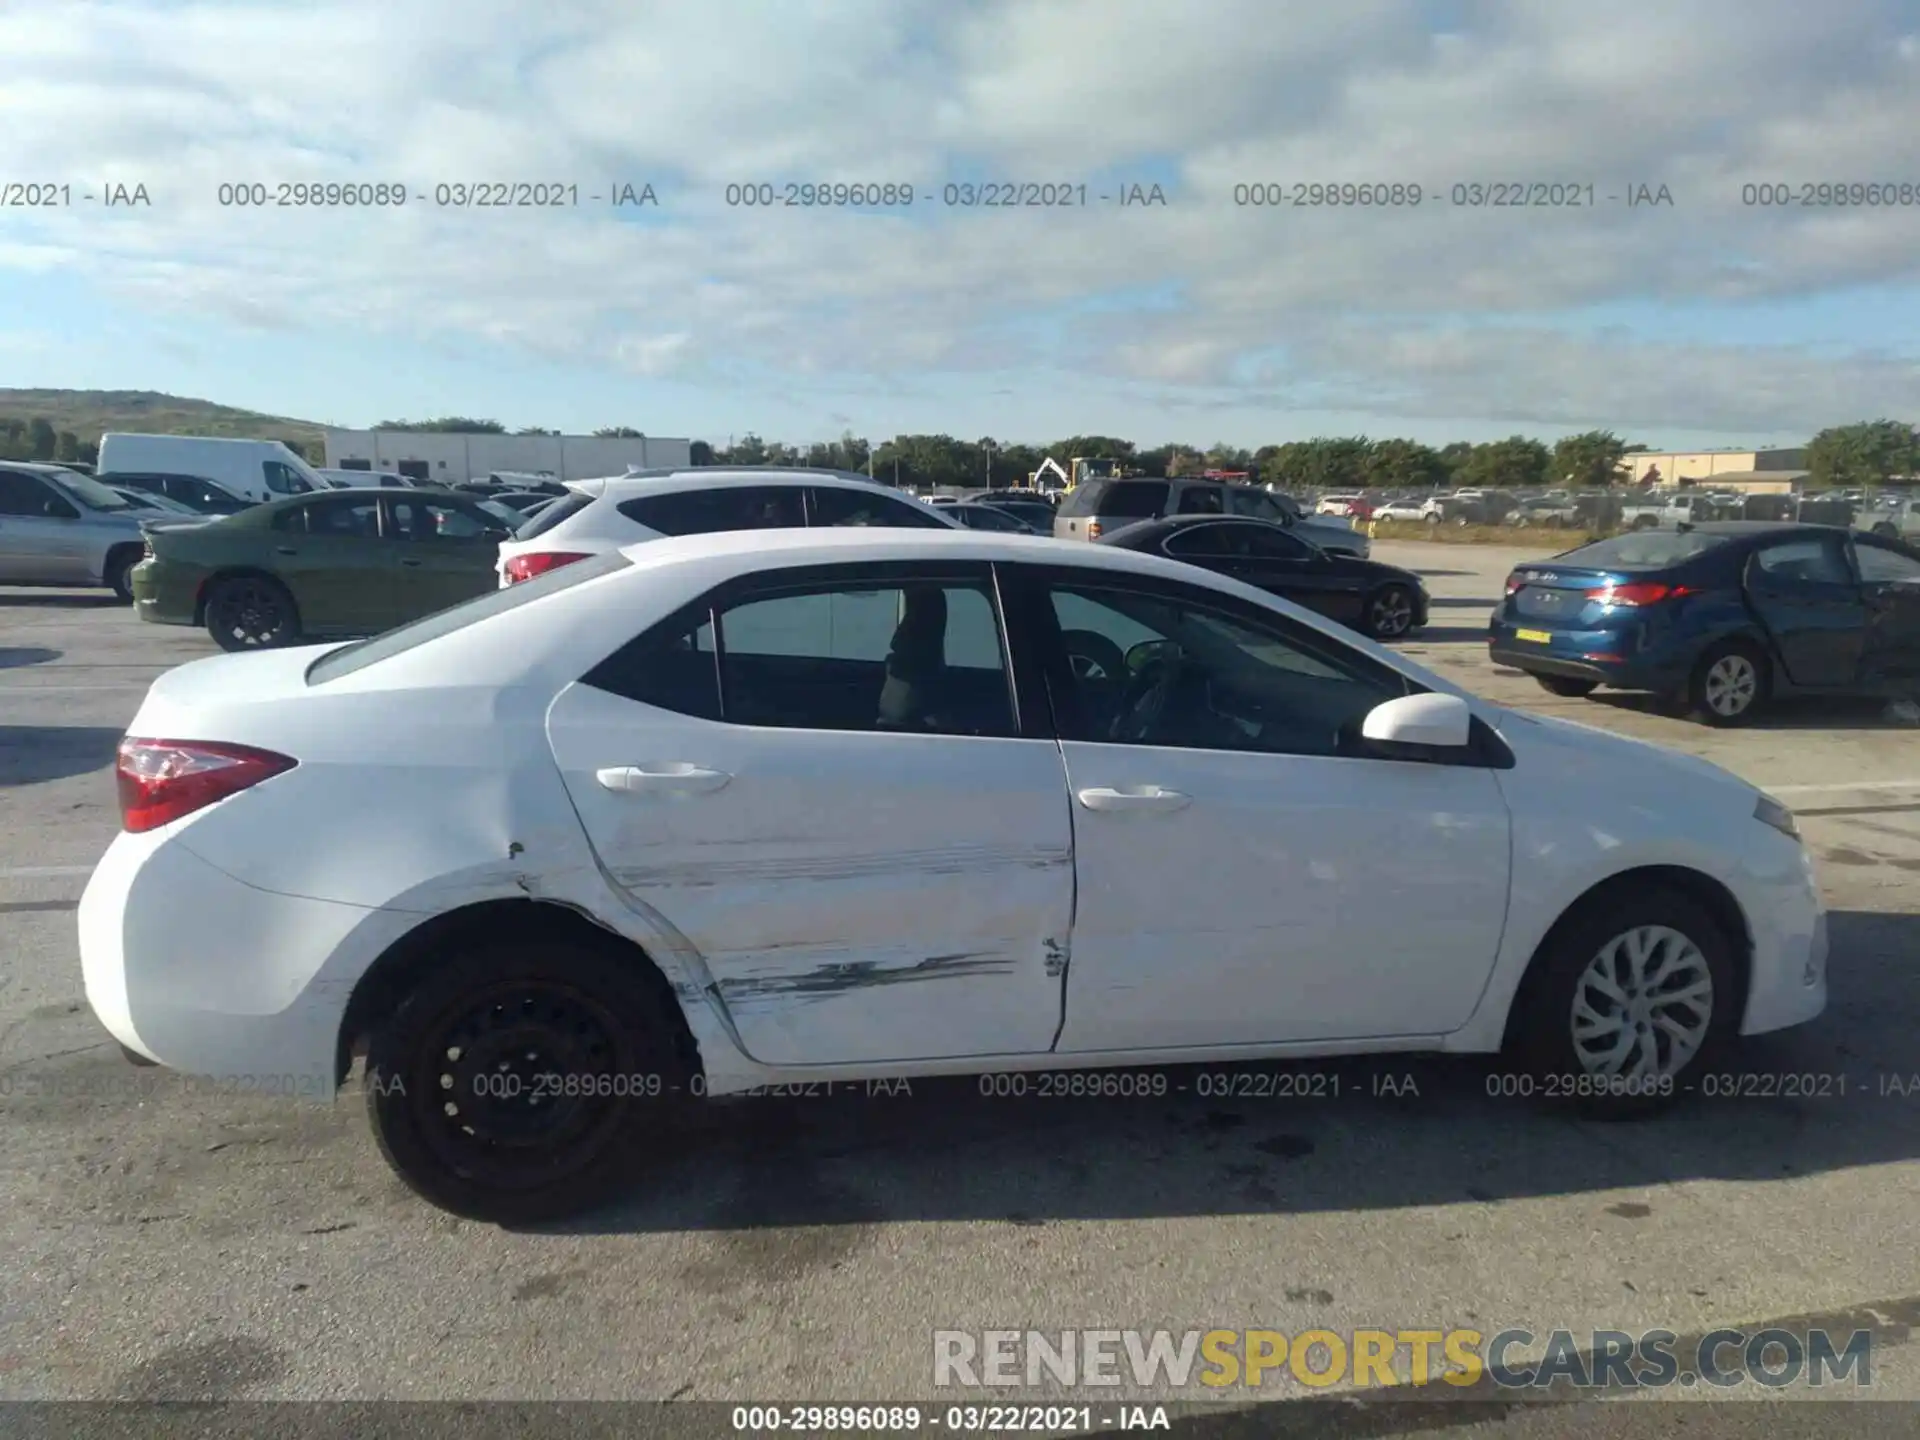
column 850, row 505
column 1133, row 499
column 708, row 511
column 565, row 508
column 1202, row 500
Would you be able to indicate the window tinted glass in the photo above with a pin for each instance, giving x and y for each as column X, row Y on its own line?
column 91, row 492
column 425, row 520
column 353, row 518
column 1267, row 543
column 1818, row 561
column 1132, row 499
column 1208, row 542
column 986, row 517
column 293, row 519
column 1082, row 499
column 705, row 512
column 283, row 479
column 22, row 493
column 1879, row 566
column 671, row 667
column 1242, row 500
column 923, row 658
column 1209, row 680
column 567, row 506
column 1642, row 550
column 1203, row 500
column 846, row 505
column 362, row 653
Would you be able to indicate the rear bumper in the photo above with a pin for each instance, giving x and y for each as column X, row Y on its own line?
column 1618, row 658
column 164, row 596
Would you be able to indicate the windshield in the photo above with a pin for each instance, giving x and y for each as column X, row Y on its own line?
column 1644, row 550
column 92, row 493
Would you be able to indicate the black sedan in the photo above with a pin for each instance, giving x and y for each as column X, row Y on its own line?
column 1721, row 616
column 976, row 516
column 1378, row 600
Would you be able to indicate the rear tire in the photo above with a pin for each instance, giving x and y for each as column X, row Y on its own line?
column 1566, row 686
column 1635, row 974
column 1883, row 528
column 1389, row 613
column 118, row 570
column 251, row 612
column 1731, row 684
column 468, row 1081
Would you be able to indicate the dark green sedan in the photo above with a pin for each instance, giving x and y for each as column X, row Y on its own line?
column 336, row 565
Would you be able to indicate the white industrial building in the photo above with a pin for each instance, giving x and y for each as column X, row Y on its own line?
column 451, row 459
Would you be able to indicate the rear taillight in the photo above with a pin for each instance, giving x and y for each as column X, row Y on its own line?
column 1515, row 581
column 1093, row 529
column 1644, row 593
column 162, row 780
column 525, row 567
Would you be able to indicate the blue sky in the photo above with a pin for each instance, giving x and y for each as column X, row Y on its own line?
column 1707, row 324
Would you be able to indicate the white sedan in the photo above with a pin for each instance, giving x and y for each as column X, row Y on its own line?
column 745, row 809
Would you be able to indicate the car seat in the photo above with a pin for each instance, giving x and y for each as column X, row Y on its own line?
column 913, row 695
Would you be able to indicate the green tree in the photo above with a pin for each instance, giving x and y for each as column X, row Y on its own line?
column 1452, row 456
column 1867, row 453
column 41, row 440
column 1591, row 460
column 1516, row 463
column 699, row 452
column 1404, row 465
column 66, row 446
column 615, row 432
column 447, row 425
column 535, row 430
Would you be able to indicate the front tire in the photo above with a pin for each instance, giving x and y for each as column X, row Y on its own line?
column 1389, row 612
column 1632, row 994
column 1566, row 686
column 1730, row 685
column 251, row 612
column 511, row 1084
column 1883, row 528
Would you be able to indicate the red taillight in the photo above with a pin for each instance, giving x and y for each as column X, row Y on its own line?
column 1645, row 593
column 525, row 567
column 1515, row 581
column 161, row 780
column 1093, row 529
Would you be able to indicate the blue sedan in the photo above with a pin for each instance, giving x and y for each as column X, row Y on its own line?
column 1721, row 616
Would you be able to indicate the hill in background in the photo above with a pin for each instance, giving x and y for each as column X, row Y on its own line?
column 90, row 413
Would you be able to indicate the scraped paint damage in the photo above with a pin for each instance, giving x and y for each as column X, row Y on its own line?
column 838, row 979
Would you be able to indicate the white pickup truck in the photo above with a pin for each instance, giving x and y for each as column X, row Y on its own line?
column 1666, row 511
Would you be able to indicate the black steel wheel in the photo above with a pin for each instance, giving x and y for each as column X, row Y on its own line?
column 511, row 1085
column 251, row 612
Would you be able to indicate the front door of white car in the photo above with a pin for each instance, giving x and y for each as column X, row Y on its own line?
column 826, row 793
column 1246, row 877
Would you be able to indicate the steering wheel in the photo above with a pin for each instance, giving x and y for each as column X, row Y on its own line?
column 1093, row 656
column 1144, row 700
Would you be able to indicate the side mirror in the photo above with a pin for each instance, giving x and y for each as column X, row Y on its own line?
column 1426, row 721
column 1149, row 651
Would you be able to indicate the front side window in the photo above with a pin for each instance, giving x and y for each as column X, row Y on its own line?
column 850, row 505
column 1207, row 542
column 23, row 494
column 429, row 520
column 1881, row 566
column 1202, row 500
column 1149, row 669
column 1244, row 500
column 354, row 519
column 1816, row 561
column 283, row 479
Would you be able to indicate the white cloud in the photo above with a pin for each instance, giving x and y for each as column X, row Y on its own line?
column 1385, row 309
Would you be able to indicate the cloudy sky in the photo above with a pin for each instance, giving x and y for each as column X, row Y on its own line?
column 1715, row 319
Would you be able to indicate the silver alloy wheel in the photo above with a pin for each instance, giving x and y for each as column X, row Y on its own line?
column 1732, row 685
column 1391, row 613
column 1643, row 1005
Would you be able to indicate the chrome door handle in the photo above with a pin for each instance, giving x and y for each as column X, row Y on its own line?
column 1138, row 797
column 675, row 779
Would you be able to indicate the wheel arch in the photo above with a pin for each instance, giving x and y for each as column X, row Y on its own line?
column 119, row 549
column 237, row 572
column 405, row 962
column 1703, row 889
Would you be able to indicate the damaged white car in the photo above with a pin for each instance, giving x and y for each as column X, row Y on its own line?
column 766, row 808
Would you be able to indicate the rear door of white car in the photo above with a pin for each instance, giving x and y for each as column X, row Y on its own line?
column 827, row 782
column 1247, row 874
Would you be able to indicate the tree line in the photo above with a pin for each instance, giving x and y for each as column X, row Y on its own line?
column 1862, row 454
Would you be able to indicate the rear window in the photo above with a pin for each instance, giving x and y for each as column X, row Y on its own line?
column 362, row 653
column 570, row 504
column 1133, row 499
column 1643, row 550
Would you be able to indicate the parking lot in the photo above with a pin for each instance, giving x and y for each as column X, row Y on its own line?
column 158, row 1241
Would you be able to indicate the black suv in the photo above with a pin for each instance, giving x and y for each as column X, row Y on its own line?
column 1101, row 506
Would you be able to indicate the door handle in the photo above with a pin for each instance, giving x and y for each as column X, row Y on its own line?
column 285, row 550
column 406, row 561
column 661, row 779
column 1138, row 797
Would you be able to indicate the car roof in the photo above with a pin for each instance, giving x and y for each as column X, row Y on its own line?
column 39, row 467
column 642, row 482
column 1737, row 528
column 844, row 544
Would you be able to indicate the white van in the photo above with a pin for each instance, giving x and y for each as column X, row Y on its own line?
column 364, row 479
column 257, row 470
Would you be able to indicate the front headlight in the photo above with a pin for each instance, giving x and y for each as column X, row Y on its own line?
column 1769, row 811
